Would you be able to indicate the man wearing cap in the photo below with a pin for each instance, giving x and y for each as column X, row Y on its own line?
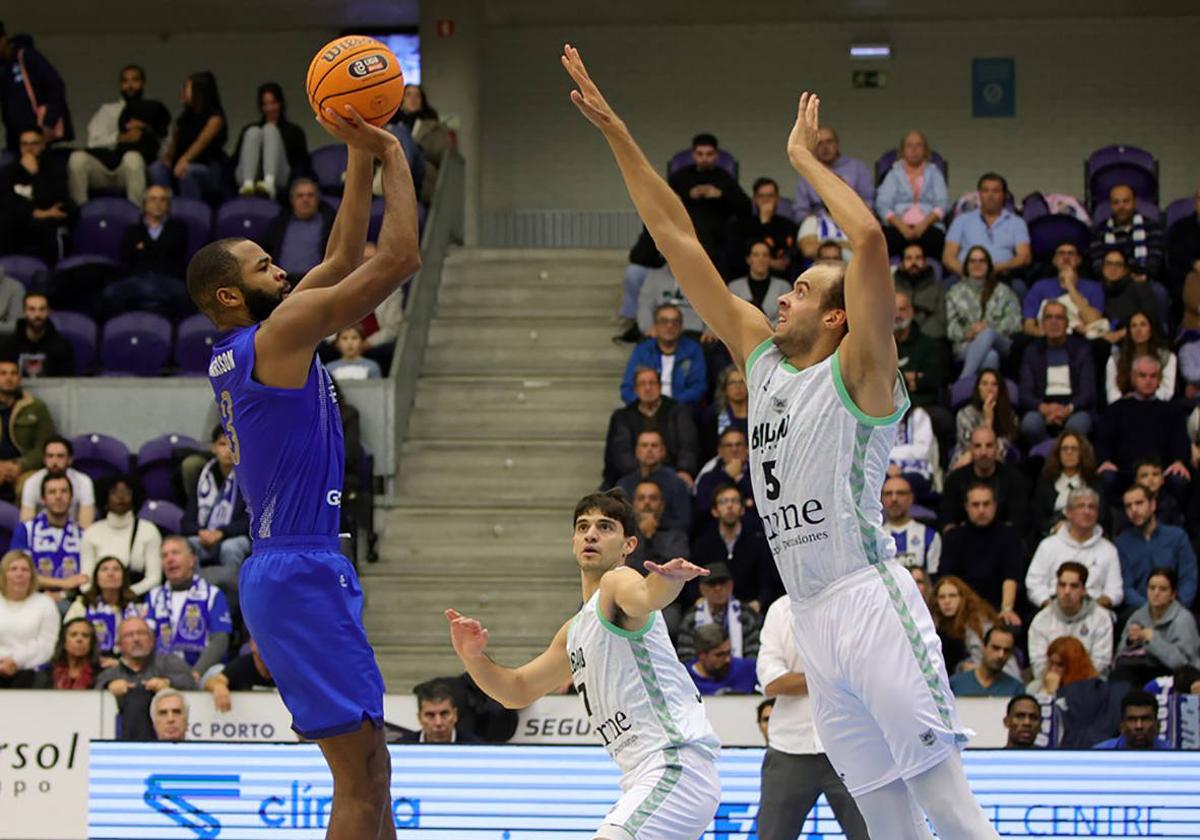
column 718, row 606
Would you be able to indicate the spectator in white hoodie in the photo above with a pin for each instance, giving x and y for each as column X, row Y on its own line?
column 1072, row 613
column 1082, row 540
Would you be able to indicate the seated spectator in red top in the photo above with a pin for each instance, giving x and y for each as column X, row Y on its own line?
column 744, row 550
column 1140, row 239
column 272, row 150
column 715, row 670
column 766, row 225
column 36, row 210
column 651, row 457
column 731, row 466
column 437, row 712
column 192, row 159
column 651, row 411
column 75, row 664
column 730, row 408
column 713, row 199
column 296, row 239
column 29, row 624
column 123, row 139
column 1058, row 380
column 24, row 69
column 157, row 243
column 36, row 344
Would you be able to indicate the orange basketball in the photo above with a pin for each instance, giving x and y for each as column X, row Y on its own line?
column 359, row 71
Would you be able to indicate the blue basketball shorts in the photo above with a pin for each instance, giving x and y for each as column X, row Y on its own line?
column 302, row 603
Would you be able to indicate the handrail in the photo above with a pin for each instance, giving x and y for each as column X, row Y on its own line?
column 443, row 227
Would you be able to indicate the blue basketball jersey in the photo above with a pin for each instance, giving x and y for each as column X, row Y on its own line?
column 286, row 442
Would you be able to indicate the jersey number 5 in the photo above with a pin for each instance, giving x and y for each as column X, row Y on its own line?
column 769, row 477
column 225, row 407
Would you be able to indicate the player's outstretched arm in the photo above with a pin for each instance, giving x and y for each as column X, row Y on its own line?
column 868, row 356
column 638, row 596
column 514, row 688
column 737, row 322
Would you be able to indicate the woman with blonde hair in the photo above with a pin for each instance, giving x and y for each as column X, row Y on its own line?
column 29, row 624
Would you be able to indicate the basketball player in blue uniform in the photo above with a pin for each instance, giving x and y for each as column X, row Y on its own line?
column 300, row 597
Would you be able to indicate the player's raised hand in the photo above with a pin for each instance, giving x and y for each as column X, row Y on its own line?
column 587, row 97
column 354, row 131
column 468, row 636
column 802, row 142
column 677, row 569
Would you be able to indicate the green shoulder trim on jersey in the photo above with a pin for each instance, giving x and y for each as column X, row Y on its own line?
column 766, row 345
column 620, row 631
column 861, row 416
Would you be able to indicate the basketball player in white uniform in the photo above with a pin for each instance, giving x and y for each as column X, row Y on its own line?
column 825, row 396
column 640, row 700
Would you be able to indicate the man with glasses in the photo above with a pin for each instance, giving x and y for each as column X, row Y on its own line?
column 917, row 544
column 156, row 243
column 1058, row 379
column 1083, row 298
column 678, row 359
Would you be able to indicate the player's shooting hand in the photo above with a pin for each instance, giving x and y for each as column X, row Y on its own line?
column 468, row 636
column 587, row 96
column 357, row 133
column 802, row 142
column 677, row 569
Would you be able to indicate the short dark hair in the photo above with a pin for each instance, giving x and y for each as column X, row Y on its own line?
column 766, row 704
column 992, row 176
column 35, row 294
column 435, row 691
column 1009, row 708
column 998, row 628
column 979, row 485
column 1169, row 574
column 762, row 182
column 1138, row 697
column 613, row 504
column 212, row 267
column 725, row 487
column 141, row 71
column 705, row 139
column 668, row 305
column 60, row 439
column 709, row 636
column 1146, row 491
column 1148, row 461
column 750, row 245
column 640, row 369
column 732, row 430
column 1072, row 566
column 217, row 432
column 56, row 475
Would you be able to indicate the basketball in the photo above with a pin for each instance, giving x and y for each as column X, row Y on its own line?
column 359, row 71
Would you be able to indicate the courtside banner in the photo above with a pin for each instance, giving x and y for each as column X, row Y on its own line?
column 223, row 791
column 44, row 739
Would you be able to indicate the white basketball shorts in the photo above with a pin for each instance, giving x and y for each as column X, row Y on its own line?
column 674, row 798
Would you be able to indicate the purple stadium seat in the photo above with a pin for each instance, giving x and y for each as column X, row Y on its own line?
column 23, row 268
column 1144, row 184
column 684, row 158
column 10, row 517
column 102, row 223
column 1042, row 450
column 889, row 157
column 329, row 164
column 1178, row 209
column 100, row 456
column 1110, row 155
column 166, row 515
column 1104, row 210
column 960, row 392
column 193, row 344
column 156, row 464
column 197, row 215
column 80, row 331
column 136, row 343
column 246, row 216
column 1046, row 232
column 1033, row 206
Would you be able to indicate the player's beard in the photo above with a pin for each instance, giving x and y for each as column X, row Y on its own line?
column 260, row 303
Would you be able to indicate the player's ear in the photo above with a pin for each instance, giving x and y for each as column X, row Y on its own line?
column 630, row 544
column 229, row 297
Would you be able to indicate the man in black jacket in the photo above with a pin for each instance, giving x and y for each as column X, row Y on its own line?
column 37, row 345
column 713, row 199
column 36, row 210
column 987, row 554
column 651, row 412
column 1012, row 494
column 32, row 94
column 744, row 550
column 157, row 243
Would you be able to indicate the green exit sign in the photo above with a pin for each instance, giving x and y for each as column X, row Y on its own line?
column 869, row 78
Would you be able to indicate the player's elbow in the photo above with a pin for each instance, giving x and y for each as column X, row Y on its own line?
column 400, row 265
column 866, row 233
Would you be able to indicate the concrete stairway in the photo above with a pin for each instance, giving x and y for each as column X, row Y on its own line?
column 507, row 433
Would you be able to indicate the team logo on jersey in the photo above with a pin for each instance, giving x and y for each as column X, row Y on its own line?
column 928, row 739
column 192, row 626
column 100, row 627
column 778, row 405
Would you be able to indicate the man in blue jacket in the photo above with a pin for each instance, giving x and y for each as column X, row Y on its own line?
column 1058, row 380
column 1147, row 545
column 678, row 359
column 1139, row 724
column 32, row 94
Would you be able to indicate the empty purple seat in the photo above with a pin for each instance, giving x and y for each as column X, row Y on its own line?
column 24, row 269
column 167, row 516
column 197, row 215
column 10, row 517
column 80, row 332
column 684, row 158
column 102, row 223
column 156, row 464
column 1178, row 209
column 1046, row 232
column 100, row 456
column 1109, row 155
column 1103, row 210
column 329, row 165
column 1034, row 206
column 193, row 344
column 136, row 343
column 246, row 216
column 889, row 157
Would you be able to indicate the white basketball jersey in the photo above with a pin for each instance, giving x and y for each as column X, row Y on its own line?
column 638, row 696
column 818, row 465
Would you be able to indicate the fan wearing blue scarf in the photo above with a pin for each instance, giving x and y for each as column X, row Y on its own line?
column 216, row 522
column 52, row 538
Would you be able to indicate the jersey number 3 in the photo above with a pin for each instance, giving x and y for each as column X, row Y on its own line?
column 772, row 481
column 225, row 406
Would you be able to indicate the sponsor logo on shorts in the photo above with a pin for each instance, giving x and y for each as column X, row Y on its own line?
column 334, row 498
column 368, row 65
column 928, row 739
